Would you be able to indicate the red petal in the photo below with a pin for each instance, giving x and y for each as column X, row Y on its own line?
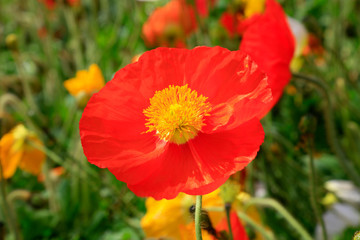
column 160, row 68
column 112, row 126
column 268, row 40
column 208, row 188
column 202, row 164
column 238, row 230
column 220, row 74
column 239, row 109
column 233, row 83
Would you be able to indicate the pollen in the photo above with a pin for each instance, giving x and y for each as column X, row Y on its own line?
column 176, row 114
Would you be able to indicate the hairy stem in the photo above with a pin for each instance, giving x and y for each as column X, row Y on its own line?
column 330, row 128
column 9, row 215
column 198, row 217
column 267, row 235
column 227, row 211
column 312, row 180
column 268, row 202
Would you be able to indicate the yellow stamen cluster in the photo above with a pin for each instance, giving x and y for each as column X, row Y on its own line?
column 176, row 113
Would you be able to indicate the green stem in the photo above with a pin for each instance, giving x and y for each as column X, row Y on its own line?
column 227, row 211
column 6, row 208
column 312, row 180
column 50, row 188
column 57, row 159
column 200, row 35
column 267, row 235
column 9, row 99
column 198, row 217
column 26, row 86
column 268, row 202
column 330, row 128
column 73, row 28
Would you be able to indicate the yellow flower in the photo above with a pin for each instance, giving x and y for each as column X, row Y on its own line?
column 85, row 81
column 172, row 218
column 253, row 6
column 15, row 151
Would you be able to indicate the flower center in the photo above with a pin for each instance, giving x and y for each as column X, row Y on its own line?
column 176, row 113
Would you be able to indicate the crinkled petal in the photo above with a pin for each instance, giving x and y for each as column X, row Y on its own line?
column 112, row 127
column 234, row 84
column 239, row 109
column 268, row 40
column 160, row 68
column 206, row 160
column 219, row 74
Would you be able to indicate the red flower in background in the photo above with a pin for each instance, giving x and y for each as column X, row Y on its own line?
column 231, row 23
column 269, row 41
column 203, row 6
column 238, row 11
column 51, row 4
column 177, row 120
column 314, row 46
column 73, row 2
column 169, row 25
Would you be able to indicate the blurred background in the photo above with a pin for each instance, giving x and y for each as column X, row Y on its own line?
column 49, row 48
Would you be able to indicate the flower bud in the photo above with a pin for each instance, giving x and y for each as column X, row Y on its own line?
column 82, row 98
column 229, row 190
column 12, row 42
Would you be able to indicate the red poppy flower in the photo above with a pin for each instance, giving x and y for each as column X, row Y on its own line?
column 169, row 25
column 203, row 7
column 268, row 40
column 232, row 23
column 238, row 230
column 177, row 120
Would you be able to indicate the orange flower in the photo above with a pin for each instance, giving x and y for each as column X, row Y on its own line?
column 16, row 151
column 86, row 81
column 170, row 25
